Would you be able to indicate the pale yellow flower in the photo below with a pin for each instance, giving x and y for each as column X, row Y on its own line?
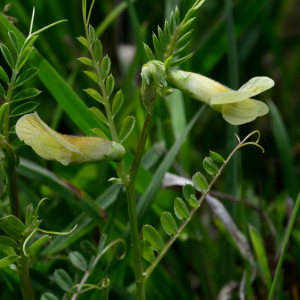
column 236, row 107
column 68, row 150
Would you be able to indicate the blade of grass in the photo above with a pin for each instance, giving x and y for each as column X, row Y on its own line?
column 261, row 254
column 282, row 141
column 285, row 243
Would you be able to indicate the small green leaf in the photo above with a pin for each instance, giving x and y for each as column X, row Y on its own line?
column 200, row 182
column 26, row 94
column 193, row 201
column 180, row 209
column 115, row 180
column 216, row 157
column 149, row 53
column 99, row 133
column 38, row 243
column 3, row 111
column 167, row 33
column 48, row 296
column 168, row 62
column 182, row 49
column 17, row 143
column 153, row 237
column 78, row 261
column 4, row 240
column 98, row 51
column 92, row 35
column 157, row 47
column 172, row 23
column 187, row 191
column 4, row 76
column 186, row 26
column 15, row 234
column 183, row 40
column 146, row 251
column 94, row 94
column 24, row 109
column 210, row 166
column 162, row 40
column 29, row 42
column 83, row 41
column 4, row 262
column 91, row 264
column 63, row 279
column 181, row 60
column 102, row 242
column 105, row 67
column 13, row 222
column 168, row 223
column 99, row 115
column 24, row 57
column 177, row 15
column 28, row 215
column 2, row 91
column 7, row 55
column 14, row 40
column 88, row 247
column 127, row 127
column 92, row 75
column 117, row 102
column 110, row 84
column 26, row 75
column 86, row 61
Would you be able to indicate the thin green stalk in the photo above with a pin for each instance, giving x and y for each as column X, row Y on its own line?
column 162, row 253
column 25, row 282
column 284, row 247
column 12, row 184
column 121, row 171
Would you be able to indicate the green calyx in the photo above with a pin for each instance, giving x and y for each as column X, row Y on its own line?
column 153, row 82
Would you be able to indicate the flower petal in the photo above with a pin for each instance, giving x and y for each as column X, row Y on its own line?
column 28, row 127
column 257, row 85
column 229, row 97
column 240, row 112
column 48, row 148
column 58, row 137
column 263, row 108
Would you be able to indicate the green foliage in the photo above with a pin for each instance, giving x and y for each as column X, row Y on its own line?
column 81, row 194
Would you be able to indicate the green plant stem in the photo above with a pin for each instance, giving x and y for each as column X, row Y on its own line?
column 130, row 189
column 284, row 247
column 12, row 184
column 162, row 253
column 121, row 171
column 25, row 282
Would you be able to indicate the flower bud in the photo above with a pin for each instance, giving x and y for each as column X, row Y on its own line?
column 68, row 150
column 236, row 106
column 153, row 82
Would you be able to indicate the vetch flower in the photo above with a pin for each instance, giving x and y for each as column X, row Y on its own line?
column 68, row 150
column 236, row 107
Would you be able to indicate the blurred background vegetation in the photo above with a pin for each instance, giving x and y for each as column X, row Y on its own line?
column 206, row 258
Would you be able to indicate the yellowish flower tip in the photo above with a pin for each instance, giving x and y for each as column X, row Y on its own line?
column 237, row 107
column 68, row 150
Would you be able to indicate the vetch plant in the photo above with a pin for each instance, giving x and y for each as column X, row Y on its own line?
column 106, row 144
